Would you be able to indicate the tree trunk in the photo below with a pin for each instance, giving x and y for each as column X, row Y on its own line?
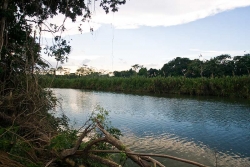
column 2, row 26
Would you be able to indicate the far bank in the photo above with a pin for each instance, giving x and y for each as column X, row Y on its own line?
column 237, row 87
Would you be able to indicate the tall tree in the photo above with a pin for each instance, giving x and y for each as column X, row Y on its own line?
column 25, row 123
column 218, row 66
column 22, row 17
column 176, row 67
column 143, row 72
column 195, row 68
column 136, row 67
column 153, row 72
column 242, row 64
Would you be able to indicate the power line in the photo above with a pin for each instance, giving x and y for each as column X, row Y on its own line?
column 113, row 36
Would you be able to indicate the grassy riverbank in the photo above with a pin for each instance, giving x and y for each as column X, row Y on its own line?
column 224, row 86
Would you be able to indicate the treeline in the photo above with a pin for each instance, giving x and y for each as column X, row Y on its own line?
column 219, row 76
column 238, row 86
column 223, row 65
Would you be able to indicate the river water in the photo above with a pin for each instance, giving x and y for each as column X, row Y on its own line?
column 212, row 131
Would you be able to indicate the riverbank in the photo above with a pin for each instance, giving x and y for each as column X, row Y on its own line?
column 237, row 87
column 183, row 126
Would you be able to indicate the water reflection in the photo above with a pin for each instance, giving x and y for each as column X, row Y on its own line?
column 188, row 127
column 183, row 148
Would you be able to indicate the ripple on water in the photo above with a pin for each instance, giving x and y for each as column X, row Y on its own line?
column 195, row 129
column 181, row 147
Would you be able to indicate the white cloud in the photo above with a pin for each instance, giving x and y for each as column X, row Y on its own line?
column 137, row 13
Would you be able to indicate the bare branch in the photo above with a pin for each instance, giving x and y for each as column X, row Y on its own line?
column 151, row 155
column 104, row 161
column 155, row 162
column 72, row 151
column 119, row 145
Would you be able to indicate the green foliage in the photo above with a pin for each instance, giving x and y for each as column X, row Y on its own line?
column 60, row 50
column 115, row 132
column 123, row 158
column 143, row 72
column 237, row 86
column 7, row 138
column 101, row 115
column 17, row 147
column 64, row 140
column 176, row 67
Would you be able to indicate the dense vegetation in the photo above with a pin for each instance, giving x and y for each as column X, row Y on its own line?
column 220, row 66
column 220, row 76
column 224, row 86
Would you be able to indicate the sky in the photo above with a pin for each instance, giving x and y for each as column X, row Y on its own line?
column 153, row 32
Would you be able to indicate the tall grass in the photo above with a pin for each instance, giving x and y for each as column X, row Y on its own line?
column 238, row 86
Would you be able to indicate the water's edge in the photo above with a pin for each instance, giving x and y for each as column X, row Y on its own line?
column 191, row 128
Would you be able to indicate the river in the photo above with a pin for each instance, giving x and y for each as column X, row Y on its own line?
column 209, row 130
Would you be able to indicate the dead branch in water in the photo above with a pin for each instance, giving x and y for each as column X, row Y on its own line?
column 91, row 153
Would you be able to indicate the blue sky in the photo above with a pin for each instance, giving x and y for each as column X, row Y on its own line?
column 153, row 33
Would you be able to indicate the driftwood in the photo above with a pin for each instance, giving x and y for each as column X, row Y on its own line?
column 141, row 159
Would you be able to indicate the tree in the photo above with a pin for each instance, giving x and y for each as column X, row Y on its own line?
column 136, row 67
column 153, row 72
column 223, row 64
column 143, row 72
column 195, row 68
column 219, row 66
column 176, row 67
column 84, row 71
column 20, row 17
column 128, row 73
column 26, row 126
column 242, row 64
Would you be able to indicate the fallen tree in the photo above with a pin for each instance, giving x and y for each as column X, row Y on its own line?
column 104, row 143
column 38, row 139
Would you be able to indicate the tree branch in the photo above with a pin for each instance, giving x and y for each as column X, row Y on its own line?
column 2, row 26
column 119, row 145
column 72, row 151
column 151, row 155
column 103, row 161
column 155, row 162
column 142, row 159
